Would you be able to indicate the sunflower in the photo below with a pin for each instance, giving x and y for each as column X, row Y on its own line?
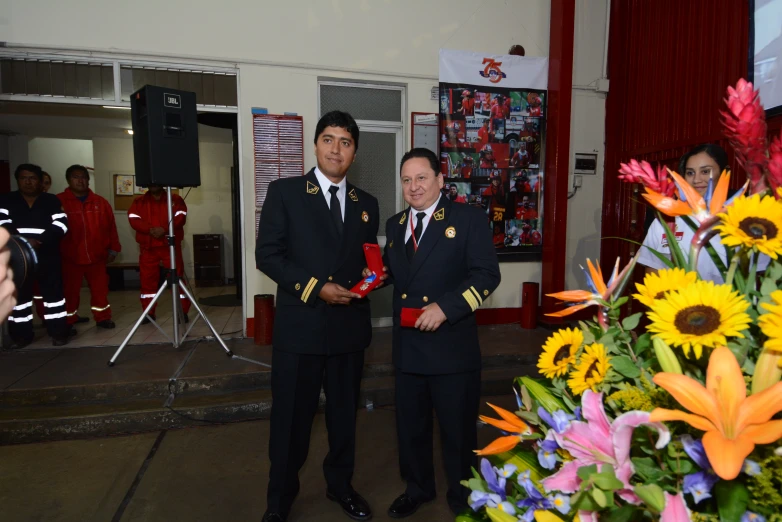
column 559, row 352
column 753, row 223
column 771, row 322
column 591, row 369
column 657, row 283
column 700, row 314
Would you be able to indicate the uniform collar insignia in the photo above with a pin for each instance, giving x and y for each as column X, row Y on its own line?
column 439, row 215
column 312, row 189
column 353, row 195
column 402, row 221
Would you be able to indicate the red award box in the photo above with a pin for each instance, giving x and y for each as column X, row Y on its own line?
column 375, row 264
column 409, row 316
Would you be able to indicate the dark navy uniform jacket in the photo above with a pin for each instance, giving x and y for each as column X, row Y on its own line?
column 456, row 267
column 298, row 247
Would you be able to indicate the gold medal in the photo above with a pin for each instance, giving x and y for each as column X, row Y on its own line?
column 365, row 217
column 450, row 232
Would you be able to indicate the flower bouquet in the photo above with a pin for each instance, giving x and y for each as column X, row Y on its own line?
column 679, row 420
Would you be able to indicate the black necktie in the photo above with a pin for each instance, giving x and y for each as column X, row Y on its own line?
column 419, row 229
column 336, row 210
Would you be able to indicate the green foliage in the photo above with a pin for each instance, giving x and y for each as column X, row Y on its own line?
column 732, row 500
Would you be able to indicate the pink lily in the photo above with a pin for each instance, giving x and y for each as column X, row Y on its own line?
column 598, row 441
column 675, row 509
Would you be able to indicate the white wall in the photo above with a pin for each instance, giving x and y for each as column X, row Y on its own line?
column 209, row 206
column 56, row 155
column 393, row 36
column 587, row 135
column 18, row 153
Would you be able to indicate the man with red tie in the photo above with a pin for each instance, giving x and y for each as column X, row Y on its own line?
column 148, row 215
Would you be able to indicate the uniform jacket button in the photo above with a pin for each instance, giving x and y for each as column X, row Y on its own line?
column 404, row 296
column 426, row 299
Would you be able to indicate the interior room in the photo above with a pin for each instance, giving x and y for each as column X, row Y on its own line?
column 56, row 136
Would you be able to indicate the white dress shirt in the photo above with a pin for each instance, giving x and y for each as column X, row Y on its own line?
column 325, row 184
column 414, row 220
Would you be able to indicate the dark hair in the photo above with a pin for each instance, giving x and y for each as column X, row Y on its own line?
column 337, row 119
column 29, row 167
column 716, row 153
column 46, row 175
column 420, row 152
column 75, row 168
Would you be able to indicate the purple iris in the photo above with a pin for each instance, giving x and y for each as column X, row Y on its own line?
column 694, row 449
column 698, row 484
column 495, row 483
column 534, row 501
column 749, row 516
column 547, row 453
column 559, row 421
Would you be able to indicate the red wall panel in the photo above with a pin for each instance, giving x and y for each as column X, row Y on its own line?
column 670, row 62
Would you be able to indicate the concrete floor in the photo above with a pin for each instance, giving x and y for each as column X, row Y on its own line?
column 212, row 473
column 126, row 309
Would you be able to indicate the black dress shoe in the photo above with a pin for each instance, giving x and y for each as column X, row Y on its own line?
column 108, row 324
column 72, row 332
column 404, row 506
column 82, row 320
column 146, row 319
column 273, row 516
column 18, row 344
column 60, row 340
column 352, row 504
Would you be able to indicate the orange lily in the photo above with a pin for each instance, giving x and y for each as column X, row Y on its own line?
column 733, row 423
column 510, row 423
column 694, row 205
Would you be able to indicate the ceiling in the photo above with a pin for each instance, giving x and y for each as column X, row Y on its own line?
column 57, row 120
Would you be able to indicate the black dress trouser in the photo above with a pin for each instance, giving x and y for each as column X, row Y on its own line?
column 455, row 400
column 296, row 385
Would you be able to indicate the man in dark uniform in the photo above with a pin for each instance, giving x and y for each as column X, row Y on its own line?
column 39, row 218
column 310, row 242
column 440, row 257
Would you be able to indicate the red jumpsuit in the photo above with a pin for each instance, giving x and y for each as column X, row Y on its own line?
column 144, row 214
column 92, row 236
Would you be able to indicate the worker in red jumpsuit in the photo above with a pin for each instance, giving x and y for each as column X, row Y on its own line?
column 91, row 243
column 148, row 216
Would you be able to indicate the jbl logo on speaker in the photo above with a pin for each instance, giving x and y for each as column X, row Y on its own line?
column 172, row 100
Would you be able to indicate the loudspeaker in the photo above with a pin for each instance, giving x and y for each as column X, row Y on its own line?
column 165, row 137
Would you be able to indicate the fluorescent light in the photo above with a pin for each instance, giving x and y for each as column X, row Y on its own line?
column 129, row 131
column 116, row 107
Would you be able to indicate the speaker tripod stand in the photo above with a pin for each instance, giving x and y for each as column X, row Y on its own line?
column 172, row 281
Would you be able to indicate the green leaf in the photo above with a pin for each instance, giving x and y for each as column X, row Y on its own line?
column 600, row 497
column 643, row 343
column 732, row 499
column 774, row 271
column 651, row 495
column 622, row 514
column 583, row 502
column 468, row 515
column 476, row 484
column 584, row 472
column 648, row 469
column 541, row 393
column 475, row 473
column 673, row 245
column 607, row 482
column 768, row 286
column 625, row 366
column 631, row 321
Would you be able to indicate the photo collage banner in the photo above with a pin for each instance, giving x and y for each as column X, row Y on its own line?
column 492, row 123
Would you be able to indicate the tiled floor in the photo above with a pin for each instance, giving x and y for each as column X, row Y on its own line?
column 126, row 309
